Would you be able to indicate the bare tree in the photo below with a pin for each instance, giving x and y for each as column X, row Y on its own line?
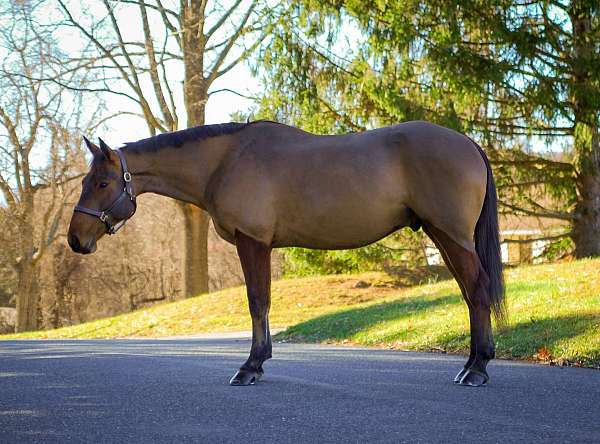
column 156, row 55
column 36, row 149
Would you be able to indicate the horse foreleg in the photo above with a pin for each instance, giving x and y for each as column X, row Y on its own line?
column 473, row 282
column 255, row 258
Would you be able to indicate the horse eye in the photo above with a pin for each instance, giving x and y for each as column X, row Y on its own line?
column 103, row 184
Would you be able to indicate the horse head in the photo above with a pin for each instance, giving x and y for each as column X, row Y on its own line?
column 106, row 201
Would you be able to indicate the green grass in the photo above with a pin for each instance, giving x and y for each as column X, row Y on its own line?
column 554, row 314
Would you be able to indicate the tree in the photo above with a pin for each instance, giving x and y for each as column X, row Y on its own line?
column 192, row 43
column 508, row 72
column 37, row 149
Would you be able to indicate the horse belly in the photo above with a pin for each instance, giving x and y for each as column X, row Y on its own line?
column 349, row 223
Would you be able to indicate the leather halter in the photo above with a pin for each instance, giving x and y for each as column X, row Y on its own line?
column 112, row 223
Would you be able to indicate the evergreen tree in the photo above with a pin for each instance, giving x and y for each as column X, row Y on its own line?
column 512, row 74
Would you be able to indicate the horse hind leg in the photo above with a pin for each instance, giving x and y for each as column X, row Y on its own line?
column 473, row 282
column 456, row 276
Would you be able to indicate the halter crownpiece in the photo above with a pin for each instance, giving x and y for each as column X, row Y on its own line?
column 107, row 217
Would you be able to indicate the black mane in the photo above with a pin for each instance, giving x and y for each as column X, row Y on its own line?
column 179, row 138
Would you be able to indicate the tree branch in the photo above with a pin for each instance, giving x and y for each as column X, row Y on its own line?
column 544, row 238
column 214, row 70
column 541, row 214
column 222, row 19
column 166, row 112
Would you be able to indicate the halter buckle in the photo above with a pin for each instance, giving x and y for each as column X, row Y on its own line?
column 103, row 217
column 127, row 176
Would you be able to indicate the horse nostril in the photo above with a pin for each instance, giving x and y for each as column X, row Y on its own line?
column 74, row 242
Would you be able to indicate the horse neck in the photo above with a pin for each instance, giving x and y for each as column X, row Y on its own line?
column 178, row 172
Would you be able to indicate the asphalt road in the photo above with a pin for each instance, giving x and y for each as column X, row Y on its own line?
column 177, row 391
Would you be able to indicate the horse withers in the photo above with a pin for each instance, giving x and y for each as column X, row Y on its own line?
column 268, row 185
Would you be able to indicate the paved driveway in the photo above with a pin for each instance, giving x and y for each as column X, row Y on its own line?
column 176, row 391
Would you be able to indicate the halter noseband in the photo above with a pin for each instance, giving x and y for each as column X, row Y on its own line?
column 106, row 217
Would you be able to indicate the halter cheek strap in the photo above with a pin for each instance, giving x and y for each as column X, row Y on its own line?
column 112, row 223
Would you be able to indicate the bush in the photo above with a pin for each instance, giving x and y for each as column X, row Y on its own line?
column 558, row 249
column 404, row 247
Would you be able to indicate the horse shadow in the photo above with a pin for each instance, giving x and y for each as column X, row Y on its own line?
column 525, row 338
column 343, row 324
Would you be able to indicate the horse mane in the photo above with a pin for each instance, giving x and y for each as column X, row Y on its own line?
column 181, row 137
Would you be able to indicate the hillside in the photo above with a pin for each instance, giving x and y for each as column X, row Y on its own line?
column 554, row 314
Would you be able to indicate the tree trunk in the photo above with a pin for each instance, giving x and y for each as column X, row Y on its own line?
column 27, row 289
column 196, row 250
column 586, row 226
column 27, row 298
column 195, row 98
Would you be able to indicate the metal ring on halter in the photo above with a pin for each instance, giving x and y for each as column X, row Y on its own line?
column 106, row 215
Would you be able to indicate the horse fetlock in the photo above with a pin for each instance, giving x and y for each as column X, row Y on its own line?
column 255, row 361
column 261, row 352
column 485, row 354
column 474, row 373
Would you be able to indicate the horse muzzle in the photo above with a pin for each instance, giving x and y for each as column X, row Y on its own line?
column 78, row 247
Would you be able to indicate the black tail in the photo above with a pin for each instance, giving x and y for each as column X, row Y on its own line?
column 487, row 244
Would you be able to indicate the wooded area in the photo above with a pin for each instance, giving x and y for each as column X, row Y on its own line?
column 522, row 78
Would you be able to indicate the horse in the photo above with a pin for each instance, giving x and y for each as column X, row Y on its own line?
column 269, row 185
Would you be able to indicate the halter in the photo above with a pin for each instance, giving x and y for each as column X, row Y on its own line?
column 112, row 223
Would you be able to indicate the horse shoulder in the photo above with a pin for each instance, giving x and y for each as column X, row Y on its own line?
column 241, row 198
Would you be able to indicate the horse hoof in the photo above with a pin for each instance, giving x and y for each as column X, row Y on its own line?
column 246, row 377
column 473, row 378
column 460, row 375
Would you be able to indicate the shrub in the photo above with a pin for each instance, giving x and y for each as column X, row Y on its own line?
column 402, row 247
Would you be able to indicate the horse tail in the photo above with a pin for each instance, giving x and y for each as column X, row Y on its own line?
column 487, row 244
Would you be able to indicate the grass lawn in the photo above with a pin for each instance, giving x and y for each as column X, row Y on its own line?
column 554, row 314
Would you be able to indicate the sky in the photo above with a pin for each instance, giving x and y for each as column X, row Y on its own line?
column 127, row 128
column 219, row 108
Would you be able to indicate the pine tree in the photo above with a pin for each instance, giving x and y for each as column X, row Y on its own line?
column 512, row 74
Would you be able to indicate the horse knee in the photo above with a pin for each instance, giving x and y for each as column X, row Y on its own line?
column 257, row 306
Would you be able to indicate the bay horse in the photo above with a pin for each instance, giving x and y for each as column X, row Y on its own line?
column 268, row 185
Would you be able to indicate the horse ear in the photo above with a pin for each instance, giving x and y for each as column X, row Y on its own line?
column 105, row 149
column 92, row 147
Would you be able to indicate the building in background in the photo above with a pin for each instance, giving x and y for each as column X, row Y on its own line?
column 524, row 240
